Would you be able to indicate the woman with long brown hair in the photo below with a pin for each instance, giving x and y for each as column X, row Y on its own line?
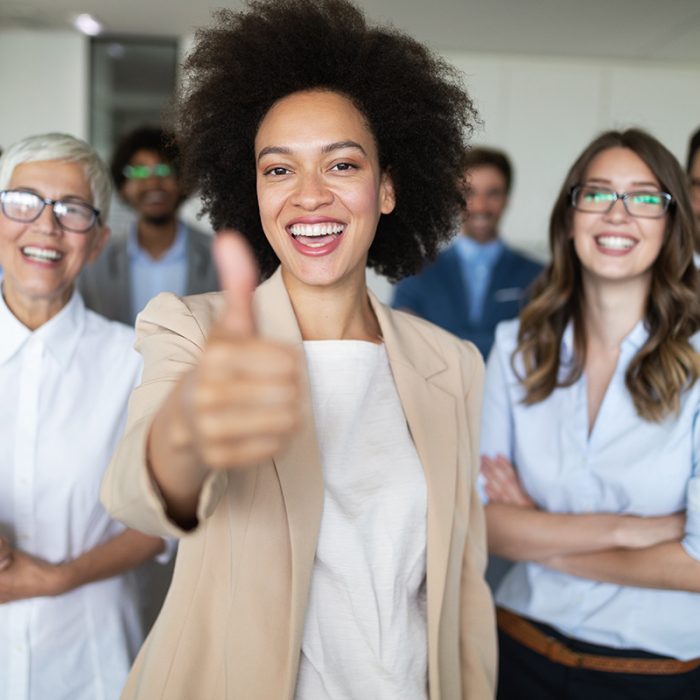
column 590, row 441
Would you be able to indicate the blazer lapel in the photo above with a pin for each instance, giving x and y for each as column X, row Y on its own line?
column 431, row 413
column 458, row 291
column 298, row 468
column 198, row 261
column 500, row 278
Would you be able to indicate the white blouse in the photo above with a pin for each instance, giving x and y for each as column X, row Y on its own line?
column 65, row 388
column 365, row 634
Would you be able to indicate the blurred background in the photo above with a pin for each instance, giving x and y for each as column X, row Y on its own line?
column 546, row 75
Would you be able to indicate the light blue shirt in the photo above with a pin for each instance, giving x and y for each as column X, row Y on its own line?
column 626, row 466
column 149, row 277
column 478, row 261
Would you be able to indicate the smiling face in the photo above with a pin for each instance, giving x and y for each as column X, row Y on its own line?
column 154, row 198
column 486, row 197
column 40, row 260
column 320, row 188
column 615, row 245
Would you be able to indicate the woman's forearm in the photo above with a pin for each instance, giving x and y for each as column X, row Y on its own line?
column 524, row 534
column 663, row 566
column 172, row 461
column 122, row 553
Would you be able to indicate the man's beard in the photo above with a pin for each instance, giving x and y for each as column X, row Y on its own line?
column 161, row 220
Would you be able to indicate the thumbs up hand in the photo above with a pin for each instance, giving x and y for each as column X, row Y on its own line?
column 243, row 402
column 240, row 404
column 238, row 275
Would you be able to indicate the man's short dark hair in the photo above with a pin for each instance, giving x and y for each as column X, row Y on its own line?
column 144, row 138
column 479, row 157
column 693, row 148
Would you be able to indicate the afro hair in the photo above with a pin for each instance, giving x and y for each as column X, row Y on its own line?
column 413, row 101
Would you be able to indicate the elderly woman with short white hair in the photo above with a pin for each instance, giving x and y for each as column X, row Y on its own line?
column 69, row 622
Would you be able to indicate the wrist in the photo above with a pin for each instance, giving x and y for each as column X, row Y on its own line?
column 65, row 578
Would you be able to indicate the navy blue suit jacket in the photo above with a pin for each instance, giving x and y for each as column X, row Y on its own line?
column 438, row 293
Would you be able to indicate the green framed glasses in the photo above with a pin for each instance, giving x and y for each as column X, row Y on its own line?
column 645, row 204
column 143, row 172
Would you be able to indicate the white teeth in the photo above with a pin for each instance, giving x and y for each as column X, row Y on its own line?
column 41, row 253
column 615, row 242
column 312, row 230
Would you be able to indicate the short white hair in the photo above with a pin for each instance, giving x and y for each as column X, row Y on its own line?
column 62, row 147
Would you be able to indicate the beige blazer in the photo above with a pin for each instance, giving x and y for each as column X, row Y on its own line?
column 232, row 623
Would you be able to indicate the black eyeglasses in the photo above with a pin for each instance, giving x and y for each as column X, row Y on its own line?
column 70, row 214
column 645, row 204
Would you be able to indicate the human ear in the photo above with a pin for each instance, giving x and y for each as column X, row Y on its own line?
column 387, row 194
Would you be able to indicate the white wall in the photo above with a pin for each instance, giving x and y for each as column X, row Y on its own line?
column 544, row 111
column 43, row 83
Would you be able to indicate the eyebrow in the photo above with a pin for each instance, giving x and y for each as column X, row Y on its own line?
column 642, row 183
column 328, row 148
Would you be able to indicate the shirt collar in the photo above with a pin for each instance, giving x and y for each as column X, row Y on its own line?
column 472, row 251
column 60, row 335
column 567, row 342
column 12, row 331
column 177, row 251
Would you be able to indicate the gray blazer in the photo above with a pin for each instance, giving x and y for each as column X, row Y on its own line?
column 105, row 283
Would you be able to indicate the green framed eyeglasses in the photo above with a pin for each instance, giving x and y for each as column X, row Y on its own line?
column 645, row 204
column 143, row 172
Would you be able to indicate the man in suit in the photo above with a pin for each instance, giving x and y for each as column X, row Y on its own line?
column 477, row 281
column 160, row 253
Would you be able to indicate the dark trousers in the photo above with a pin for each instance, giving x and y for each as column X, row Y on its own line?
column 525, row 675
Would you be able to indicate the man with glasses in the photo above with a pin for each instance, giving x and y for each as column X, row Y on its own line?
column 160, row 253
column 478, row 281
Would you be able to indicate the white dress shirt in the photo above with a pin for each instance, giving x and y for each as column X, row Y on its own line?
column 627, row 466
column 64, row 393
column 366, row 628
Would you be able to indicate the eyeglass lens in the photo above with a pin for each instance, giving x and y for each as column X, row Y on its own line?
column 600, row 200
column 27, row 206
column 143, row 172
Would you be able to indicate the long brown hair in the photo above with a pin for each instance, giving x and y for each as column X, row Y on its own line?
column 666, row 365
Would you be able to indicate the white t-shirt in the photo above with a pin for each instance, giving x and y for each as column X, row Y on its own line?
column 65, row 388
column 366, row 630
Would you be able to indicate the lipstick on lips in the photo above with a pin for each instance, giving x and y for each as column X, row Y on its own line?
column 316, row 236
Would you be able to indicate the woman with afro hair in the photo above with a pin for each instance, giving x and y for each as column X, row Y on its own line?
column 315, row 451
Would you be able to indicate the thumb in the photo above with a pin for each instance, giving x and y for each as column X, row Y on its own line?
column 238, row 275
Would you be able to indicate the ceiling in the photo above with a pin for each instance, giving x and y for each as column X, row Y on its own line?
column 621, row 29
